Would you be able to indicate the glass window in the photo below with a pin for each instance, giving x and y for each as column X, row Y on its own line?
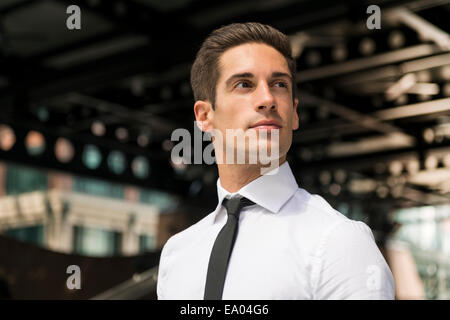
column 161, row 200
column 33, row 234
column 22, row 179
column 96, row 242
column 146, row 243
column 98, row 188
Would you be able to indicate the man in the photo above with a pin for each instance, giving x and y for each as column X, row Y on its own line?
column 267, row 238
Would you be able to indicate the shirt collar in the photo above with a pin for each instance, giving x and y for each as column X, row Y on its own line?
column 269, row 191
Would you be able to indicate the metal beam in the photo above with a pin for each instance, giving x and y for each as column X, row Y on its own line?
column 395, row 70
column 358, row 125
column 425, row 29
column 163, row 125
column 412, row 110
column 370, row 62
column 351, row 115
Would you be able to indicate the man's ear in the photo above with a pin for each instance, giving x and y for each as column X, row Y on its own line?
column 204, row 114
column 295, row 123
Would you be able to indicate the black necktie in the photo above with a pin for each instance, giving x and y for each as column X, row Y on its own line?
column 221, row 251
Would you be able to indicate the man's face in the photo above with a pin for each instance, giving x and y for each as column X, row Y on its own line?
column 255, row 85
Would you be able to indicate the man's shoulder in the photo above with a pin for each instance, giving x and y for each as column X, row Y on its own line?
column 187, row 234
column 320, row 222
column 314, row 208
column 334, row 219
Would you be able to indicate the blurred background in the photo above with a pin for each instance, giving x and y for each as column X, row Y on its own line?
column 86, row 116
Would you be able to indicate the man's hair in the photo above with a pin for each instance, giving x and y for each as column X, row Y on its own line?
column 205, row 70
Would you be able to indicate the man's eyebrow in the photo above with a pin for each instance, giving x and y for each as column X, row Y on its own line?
column 276, row 74
column 281, row 74
column 239, row 75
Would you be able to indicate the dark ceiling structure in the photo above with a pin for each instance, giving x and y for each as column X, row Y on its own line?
column 374, row 103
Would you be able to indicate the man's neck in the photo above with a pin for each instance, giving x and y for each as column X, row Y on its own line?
column 235, row 176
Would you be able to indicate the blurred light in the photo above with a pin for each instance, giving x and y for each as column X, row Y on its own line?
column 64, row 150
column 137, row 277
column 339, row 53
column 298, row 43
column 391, row 181
column 322, row 112
column 340, row 175
column 413, row 166
column 367, row 46
column 424, row 88
column 431, row 269
column 400, row 180
column 91, row 156
column 43, row 114
column 395, row 168
column 178, row 164
column 306, row 154
column 397, row 191
column 140, row 167
column 122, row 134
column 382, row 191
column 344, row 208
column 431, row 162
column 362, row 185
column 424, row 97
column 195, row 188
column 335, row 189
column 35, row 143
column 444, row 72
column 403, row 99
column 325, row 177
column 428, row 135
column 143, row 140
column 7, row 138
column 117, row 162
column 396, row 39
column 446, row 160
column 401, row 86
column 98, row 128
column 423, row 76
column 313, row 58
column 167, row 145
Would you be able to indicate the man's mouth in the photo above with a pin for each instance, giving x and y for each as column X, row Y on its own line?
column 267, row 125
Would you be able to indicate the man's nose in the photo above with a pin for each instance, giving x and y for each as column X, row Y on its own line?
column 264, row 98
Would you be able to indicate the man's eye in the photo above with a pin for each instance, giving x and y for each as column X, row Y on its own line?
column 242, row 84
column 281, row 84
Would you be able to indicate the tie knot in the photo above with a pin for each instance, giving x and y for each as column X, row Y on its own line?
column 235, row 204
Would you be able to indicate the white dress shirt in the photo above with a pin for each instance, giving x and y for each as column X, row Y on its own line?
column 290, row 245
